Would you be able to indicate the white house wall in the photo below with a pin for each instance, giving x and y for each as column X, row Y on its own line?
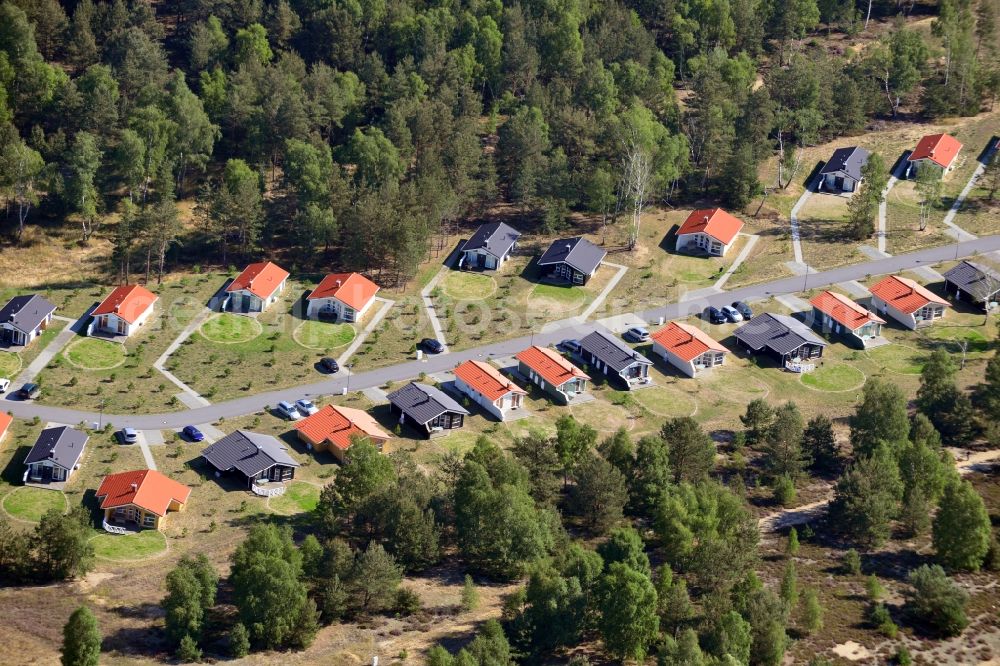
column 481, row 400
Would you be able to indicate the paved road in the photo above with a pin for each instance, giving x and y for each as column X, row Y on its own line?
column 444, row 362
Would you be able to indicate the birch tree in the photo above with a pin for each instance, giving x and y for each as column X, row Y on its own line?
column 22, row 165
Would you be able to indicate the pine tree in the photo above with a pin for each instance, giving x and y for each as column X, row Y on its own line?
column 792, row 548
column 961, row 527
column 81, row 639
column 783, row 443
column 812, row 612
column 470, row 595
column 790, row 585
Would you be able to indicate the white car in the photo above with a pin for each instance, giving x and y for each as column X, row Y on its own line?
column 4, row 384
column 306, row 406
column 288, row 410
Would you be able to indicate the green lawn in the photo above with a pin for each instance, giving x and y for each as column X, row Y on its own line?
column 556, row 297
column 299, row 497
column 666, row 401
column 137, row 546
column 95, row 354
column 898, row 358
column 468, row 286
column 26, row 503
column 10, row 364
column 230, row 329
column 956, row 334
column 323, row 335
column 834, row 377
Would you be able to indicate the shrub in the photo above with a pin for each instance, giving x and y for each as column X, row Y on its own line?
column 188, row 650
column 903, row 657
column 882, row 621
column 852, row 562
column 470, row 595
column 407, row 601
column 937, row 600
column 784, row 491
column 874, row 588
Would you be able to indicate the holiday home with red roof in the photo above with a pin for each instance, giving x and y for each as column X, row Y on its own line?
column 140, row 498
column 5, row 420
column 343, row 296
column 335, row 429
column 256, row 288
column 688, row 348
column 710, row 231
column 124, row 311
column 909, row 303
column 550, row 371
column 937, row 151
column 836, row 313
column 488, row 388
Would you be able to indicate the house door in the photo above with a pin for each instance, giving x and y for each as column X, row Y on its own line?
column 122, row 326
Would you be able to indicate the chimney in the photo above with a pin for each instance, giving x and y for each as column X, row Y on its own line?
column 135, row 486
column 337, row 283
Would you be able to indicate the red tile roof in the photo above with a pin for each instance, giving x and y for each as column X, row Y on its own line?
column 129, row 302
column 352, row 289
column 938, row 148
column 260, row 279
column 844, row 310
column 715, row 222
column 486, row 380
column 685, row 341
column 550, row 365
column 336, row 425
column 5, row 421
column 904, row 294
column 145, row 488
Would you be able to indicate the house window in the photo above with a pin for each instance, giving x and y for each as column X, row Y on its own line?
column 148, row 520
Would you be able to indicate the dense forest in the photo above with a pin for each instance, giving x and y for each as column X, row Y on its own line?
column 352, row 132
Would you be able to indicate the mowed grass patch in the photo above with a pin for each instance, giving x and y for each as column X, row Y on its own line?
column 30, row 504
column 834, row 377
column 230, row 329
column 323, row 335
column 900, row 359
column 666, row 402
column 956, row 335
column 299, row 497
column 468, row 286
column 129, row 547
column 94, row 354
column 10, row 364
column 556, row 297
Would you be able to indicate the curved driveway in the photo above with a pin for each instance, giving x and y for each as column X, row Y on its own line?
column 406, row 370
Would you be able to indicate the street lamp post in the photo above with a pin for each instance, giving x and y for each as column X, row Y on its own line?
column 348, row 367
column 100, row 421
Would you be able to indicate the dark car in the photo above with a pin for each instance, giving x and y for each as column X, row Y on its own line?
column 432, row 345
column 329, row 364
column 743, row 309
column 569, row 346
column 714, row 315
column 192, row 434
column 28, row 392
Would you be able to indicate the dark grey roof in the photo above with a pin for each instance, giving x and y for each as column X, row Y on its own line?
column 248, row 452
column 613, row 353
column 981, row 281
column 847, row 161
column 62, row 445
column 779, row 333
column 26, row 313
column 578, row 252
column 422, row 402
column 496, row 238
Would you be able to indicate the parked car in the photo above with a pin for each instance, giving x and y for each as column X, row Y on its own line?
column 329, row 364
column 192, row 434
column 431, row 345
column 29, row 392
column 714, row 315
column 130, row 435
column 744, row 310
column 732, row 314
column 306, row 407
column 4, row 384
column 570, row 346
column 288, row 410
column 636, row 334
